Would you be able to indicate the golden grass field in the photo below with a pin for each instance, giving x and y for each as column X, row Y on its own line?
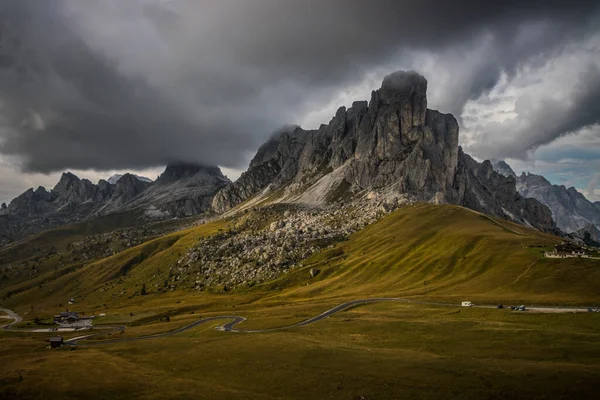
column 378, row 351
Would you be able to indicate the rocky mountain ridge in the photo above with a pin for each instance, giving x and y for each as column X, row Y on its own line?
column 392, row 145
column 570, row 209
column 182, row 190
column 392, row 148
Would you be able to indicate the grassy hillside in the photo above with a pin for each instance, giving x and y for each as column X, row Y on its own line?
column 447, row 252
column 436, row 252
column 383, row 351
column 113, row 280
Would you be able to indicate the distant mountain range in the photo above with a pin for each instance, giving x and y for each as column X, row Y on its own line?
column 571, row 210
column 391, row 151
column 182, row 190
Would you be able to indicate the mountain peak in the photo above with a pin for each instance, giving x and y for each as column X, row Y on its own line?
column 68, row 176
column 405, row 81
column 570, row 209
column 393, row 141
column 67, row 179
column 406, row 92
column 503, row 168
column 179, row 171
column 113, row 179
column 532, row 179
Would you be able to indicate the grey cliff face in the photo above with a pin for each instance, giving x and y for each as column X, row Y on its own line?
column 391, row 143
column 394, row 140
column 125, row 189
column 183, row 190
column 503, row 168
column 570, row 209
column 479, row 187
column 589, row 235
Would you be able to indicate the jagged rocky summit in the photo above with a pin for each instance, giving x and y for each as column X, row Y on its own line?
column 115, row 178
column 392, row 150
column 393, row 146
column 182, row 190
column 571, row 211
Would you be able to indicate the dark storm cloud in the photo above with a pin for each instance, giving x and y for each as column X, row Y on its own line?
column 542, row 118
column 124, row 84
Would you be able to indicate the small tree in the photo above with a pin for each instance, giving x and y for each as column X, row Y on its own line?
column 143, row 289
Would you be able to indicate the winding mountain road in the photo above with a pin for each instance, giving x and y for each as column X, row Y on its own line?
column 234, row 320
column 16, row 318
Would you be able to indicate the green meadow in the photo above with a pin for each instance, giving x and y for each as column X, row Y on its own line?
column 380, row 351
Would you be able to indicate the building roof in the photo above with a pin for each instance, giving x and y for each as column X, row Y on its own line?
column 567, row 247
column 56, row 339
column 68, row 314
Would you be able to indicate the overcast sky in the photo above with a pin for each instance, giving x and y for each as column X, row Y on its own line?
column 99, row 87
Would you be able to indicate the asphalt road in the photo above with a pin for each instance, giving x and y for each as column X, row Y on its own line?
column 234, row 320
column 16, row 318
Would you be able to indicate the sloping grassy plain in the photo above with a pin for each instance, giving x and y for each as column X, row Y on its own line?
column 382, row 351
column 447, row 253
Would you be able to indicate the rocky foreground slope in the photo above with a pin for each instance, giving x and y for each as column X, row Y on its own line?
column 394, row 145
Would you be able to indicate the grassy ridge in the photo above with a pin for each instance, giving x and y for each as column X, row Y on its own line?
column 438, row 252
column 446, row 252
column 105, row 281
column 381, row 351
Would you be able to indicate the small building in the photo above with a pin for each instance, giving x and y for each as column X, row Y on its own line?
column 71, row 319
column 56, row 342
column 566, row 250
column 66, row 317
column 466, row 304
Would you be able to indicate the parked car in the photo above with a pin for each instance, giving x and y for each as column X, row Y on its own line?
column 500, row 306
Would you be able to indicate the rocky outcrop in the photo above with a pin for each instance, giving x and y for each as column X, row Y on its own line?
column 258, row 250
column 503, row 168
column 589, row 235
column 570, row 209
column 115, row 178
column 182, row 190
column 125, row 189
column 481, row 188
column 391, row 144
